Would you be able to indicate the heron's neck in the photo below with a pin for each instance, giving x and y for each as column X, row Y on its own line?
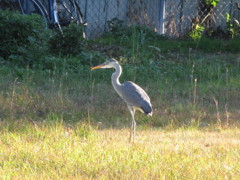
column 115, row 77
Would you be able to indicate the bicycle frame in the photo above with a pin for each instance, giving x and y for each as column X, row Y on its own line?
column 50, row 5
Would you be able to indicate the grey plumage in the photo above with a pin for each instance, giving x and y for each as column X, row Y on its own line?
column 134, row 96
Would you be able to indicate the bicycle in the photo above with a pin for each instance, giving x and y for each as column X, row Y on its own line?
column 56, row 13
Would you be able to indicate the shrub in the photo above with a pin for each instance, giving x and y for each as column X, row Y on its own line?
column 70, row 42
column 22, row 37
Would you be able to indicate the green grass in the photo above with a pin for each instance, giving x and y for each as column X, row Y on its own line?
column 136, row 41
column 36, row 94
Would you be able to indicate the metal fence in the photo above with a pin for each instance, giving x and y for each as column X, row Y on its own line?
column 175, row 18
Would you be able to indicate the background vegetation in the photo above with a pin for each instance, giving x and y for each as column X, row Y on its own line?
column 60, row 120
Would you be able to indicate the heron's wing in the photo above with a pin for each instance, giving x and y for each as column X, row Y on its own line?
column 134, row 95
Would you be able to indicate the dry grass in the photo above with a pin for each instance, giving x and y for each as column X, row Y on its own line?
column 56, row 151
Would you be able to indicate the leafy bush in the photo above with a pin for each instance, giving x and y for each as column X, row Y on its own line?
column 70, row 42
column 22, row 37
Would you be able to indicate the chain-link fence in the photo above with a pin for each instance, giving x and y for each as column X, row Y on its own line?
column 183, row 15
column 99, row 12
column 175, row 18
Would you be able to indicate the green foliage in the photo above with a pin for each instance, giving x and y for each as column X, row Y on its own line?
column 68, row 43
column 26, row 42
column 196, row 33
column 213, row 3
column 23, row 38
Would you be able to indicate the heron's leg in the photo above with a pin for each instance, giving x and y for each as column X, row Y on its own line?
column 133, row 126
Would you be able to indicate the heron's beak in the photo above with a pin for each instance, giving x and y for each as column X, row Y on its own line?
column 97, row 67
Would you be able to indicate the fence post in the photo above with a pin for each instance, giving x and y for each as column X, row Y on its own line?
column 161, row 29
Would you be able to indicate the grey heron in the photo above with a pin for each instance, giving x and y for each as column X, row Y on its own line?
column 134, row 96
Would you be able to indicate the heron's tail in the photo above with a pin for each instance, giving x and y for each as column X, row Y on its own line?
column 147, row 108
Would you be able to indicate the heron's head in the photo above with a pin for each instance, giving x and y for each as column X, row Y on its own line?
column 110, row 63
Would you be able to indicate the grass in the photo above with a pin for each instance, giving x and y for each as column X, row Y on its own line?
column 136, row 40
column 55, row 150
column 37, row 94
column 59, row 120
column 66, row 125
